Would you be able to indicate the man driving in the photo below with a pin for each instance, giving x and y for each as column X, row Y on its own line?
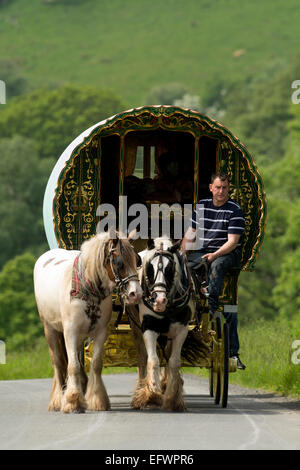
column 217, row 224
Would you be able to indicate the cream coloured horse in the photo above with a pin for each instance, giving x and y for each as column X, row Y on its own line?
column 73, row 294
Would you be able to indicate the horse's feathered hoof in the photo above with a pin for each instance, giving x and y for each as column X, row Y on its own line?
column 73, row 402
column 174, row 405
column 54, row 407
column 96, row 404
column 143, row 398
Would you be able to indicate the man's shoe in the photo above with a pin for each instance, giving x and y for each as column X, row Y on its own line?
column 239, row 363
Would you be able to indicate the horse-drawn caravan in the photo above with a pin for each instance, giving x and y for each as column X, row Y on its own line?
column 160, row 158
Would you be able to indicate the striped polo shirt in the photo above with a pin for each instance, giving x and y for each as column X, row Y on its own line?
column 214, row 223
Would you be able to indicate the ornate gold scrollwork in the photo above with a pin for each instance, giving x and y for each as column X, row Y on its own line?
column 78, row 191
column 78, row 200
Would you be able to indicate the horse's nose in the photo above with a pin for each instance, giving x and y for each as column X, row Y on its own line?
column 160, row 303
column 134, row 296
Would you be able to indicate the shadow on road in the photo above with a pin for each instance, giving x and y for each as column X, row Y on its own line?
column 252, row 404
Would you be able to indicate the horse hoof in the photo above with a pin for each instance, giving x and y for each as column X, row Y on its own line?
column 98, row 406
column 73, row 403
column 71, row 408
column 135, row 405
column 144, row 398
column 170, row 405
column 68, row 408
column 54, row 407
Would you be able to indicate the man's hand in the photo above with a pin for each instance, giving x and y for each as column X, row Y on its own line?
column 210, row 257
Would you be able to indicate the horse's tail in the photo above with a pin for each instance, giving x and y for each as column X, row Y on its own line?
column 195, row 348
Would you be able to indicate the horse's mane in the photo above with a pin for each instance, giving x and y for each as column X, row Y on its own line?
column 165, row 241
column 93, row 256
column 127, row 253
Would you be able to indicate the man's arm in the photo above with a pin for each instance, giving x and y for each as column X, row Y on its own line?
column 188, row 238
column 230, row 245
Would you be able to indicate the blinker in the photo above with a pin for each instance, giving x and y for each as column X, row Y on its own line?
column 118, row 262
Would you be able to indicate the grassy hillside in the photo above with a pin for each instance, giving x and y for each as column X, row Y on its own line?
column 131, row 46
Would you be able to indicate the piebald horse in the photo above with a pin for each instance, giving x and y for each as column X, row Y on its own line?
column 73, row 292
column 165, row 310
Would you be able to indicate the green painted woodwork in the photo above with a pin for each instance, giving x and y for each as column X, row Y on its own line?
column 78, row 191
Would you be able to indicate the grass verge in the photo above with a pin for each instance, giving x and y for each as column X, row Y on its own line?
column 34, row 363
column 266, row 349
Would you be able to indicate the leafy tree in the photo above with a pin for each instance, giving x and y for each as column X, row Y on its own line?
column 23, row 178
column 53, row 118
column 287, row 187
column 256, row 288
column 166, row 94
column 15, row 83
column 260, row 113
column 189, row 101
column 19, row 321
column 286, row 293
column 257, row 109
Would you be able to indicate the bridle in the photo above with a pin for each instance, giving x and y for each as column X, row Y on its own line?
column 156, row 287
column 174, row 302
column 116, row 264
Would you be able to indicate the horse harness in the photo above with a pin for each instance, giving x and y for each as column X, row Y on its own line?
column 116, row 265
column 93, row 294
column 174, row 302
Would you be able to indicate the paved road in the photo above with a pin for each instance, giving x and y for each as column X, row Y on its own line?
column 253, row 420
